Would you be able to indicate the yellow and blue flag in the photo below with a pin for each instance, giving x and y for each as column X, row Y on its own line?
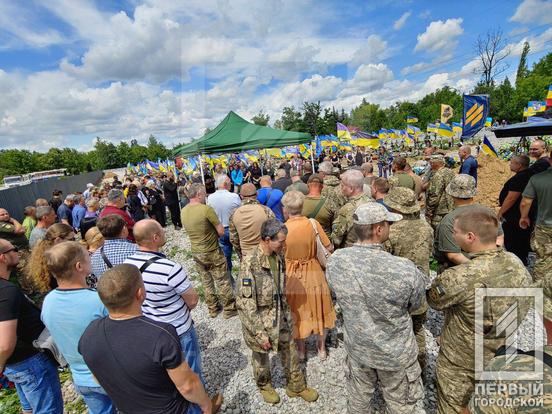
column 476, row 111
column 444, row 130
column 410, row 119
column 549, row 96
column 457, row 127
column 431, row 128
column 343, row 132
column 488, row 121
column 488, row 148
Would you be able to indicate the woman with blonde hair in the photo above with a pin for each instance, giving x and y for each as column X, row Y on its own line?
column 93, row 240
column 36, row 271
column 307, row 290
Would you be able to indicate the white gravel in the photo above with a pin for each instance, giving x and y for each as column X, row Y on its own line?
column 227, row 367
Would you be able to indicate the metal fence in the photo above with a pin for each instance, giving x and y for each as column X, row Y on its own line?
column 15, row 199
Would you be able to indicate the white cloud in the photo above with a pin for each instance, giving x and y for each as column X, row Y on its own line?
column 533, row 12
column 401, row 21
column 425, row 14
column 372, row 50
column 366, row 79
column 427, row 66
column 440, row 35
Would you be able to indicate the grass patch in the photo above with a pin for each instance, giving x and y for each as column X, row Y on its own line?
column 9, row 401
column 433, row 264
column 76, row 407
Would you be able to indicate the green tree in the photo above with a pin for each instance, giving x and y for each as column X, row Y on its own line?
column 261, row 118
column 156, row 149
column 291, row 120
column 522, row 70
column 312, row 120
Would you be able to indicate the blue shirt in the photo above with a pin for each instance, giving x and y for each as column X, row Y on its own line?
column 237, row 177
column 67, row 313
column 469, row 166
column 271, row 197
column 64, row 212
column 116, row 251
column 78, row 214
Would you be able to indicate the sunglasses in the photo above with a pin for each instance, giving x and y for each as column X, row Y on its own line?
column 13, row 249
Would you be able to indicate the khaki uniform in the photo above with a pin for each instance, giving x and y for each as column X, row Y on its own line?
column 342, row 234
column 199, row 221
column 412, row 238
column 265, row 316
column 245, row 225
column 453, row 292
column 438, row 202
column 325, row 215
column 332, row 192
column 402, row 179
column 541, row 243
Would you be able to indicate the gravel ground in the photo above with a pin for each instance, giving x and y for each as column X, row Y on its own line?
column 227, row 366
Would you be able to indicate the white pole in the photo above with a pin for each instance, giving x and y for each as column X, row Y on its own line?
column 201, row 168
column 312, row 157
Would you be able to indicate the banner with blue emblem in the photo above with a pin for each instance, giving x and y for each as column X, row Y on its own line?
column 476, row 111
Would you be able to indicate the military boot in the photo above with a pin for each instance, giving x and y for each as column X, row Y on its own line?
column 308, row 394
column 269, row 394
column 213, row 313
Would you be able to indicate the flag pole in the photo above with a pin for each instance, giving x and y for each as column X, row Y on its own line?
column 201, row 168
column 312, row 157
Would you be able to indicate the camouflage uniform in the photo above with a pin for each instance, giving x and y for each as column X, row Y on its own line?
column 233, row 231
column 211, row 268
column 520, row 363
column 402, row 179
column 541, row 243
column 265, row 315
column 332, row 192
column 376, row 291
column 453, row 292
column 411, row 238
column 342, row 236
column 438, row 202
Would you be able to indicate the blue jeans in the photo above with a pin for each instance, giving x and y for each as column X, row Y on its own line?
column 96, row 399
column 382, row 169
column 226, row 246
column 192, row 355
column 37, row 384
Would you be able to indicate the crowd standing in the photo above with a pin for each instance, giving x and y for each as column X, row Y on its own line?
column 325, row 245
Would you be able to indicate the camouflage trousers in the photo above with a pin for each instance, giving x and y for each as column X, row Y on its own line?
column 454, row 387
column 418, row 327
column 287, row 351
column 212, row 271
column 401, row 389
column 541, row 243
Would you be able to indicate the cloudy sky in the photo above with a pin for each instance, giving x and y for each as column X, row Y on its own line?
column 71, row 70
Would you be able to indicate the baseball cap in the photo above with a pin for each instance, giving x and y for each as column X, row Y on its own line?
column 248, row 190
column 372, row 212
column 461, row 186
column 402, row 200
column 315, row 178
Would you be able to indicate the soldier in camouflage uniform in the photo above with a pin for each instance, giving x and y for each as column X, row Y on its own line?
column 245, row 221
column 539, row 187
column 453, row 292
column 400, row 178
column 332, row 189
column 204, row 228
column 266, row 317
column 376, row 291
column 412, row 238
column 438, row 202
column 352, row 186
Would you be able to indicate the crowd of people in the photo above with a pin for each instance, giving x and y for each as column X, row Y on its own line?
column 85, row 283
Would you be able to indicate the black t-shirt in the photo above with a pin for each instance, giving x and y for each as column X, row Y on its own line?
column 516, row 183
column 15, row 305
column 130, row 358
column 540, row 165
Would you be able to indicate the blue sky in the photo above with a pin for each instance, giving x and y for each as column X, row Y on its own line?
column 71, row 70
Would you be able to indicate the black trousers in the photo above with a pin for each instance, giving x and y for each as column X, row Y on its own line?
column 174, row 210
column 516, row 239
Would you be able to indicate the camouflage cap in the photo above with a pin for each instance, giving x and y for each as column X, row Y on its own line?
column 437, row 157
column 248, row 190
column 372, row 212
column 403, row 200
column 462, row 186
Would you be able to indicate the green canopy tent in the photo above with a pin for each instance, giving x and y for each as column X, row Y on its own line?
column 235, row 134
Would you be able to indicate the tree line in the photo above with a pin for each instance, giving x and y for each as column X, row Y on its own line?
column 507, row 102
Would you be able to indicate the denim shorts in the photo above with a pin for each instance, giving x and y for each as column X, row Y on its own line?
column 37, row 383
column 96, row 399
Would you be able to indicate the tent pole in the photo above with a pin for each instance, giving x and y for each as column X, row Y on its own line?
column 201, row 168
column 312, row 157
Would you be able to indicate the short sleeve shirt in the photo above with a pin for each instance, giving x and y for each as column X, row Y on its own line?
column 200, row 222
column 65, row 213
column 15, row 305
column 540, row 188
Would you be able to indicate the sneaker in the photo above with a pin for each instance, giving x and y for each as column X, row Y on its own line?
column 229, row 314
column 269, row 394
column 308, row 394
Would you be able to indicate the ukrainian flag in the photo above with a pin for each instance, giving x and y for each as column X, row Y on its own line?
column 344, row 145
column 488, row 148
column 343, row 132
column 431, row 128
column 444, row 130
column 411, row 119
column 549, row 96
column 382, row 134
column 457, row 127
column 488, row 121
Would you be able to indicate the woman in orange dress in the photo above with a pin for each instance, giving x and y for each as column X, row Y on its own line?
column 307, row 290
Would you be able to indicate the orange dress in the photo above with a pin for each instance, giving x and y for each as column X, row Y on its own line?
column 307, row 290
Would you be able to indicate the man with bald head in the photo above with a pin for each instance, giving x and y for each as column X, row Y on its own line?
column 352, row 188
column 537, row 151
column 468, row 162
column 170, row 295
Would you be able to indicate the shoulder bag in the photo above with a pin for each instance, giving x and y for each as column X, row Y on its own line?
column 322, row 253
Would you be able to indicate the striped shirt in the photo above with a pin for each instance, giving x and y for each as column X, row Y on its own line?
column 165, row 281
